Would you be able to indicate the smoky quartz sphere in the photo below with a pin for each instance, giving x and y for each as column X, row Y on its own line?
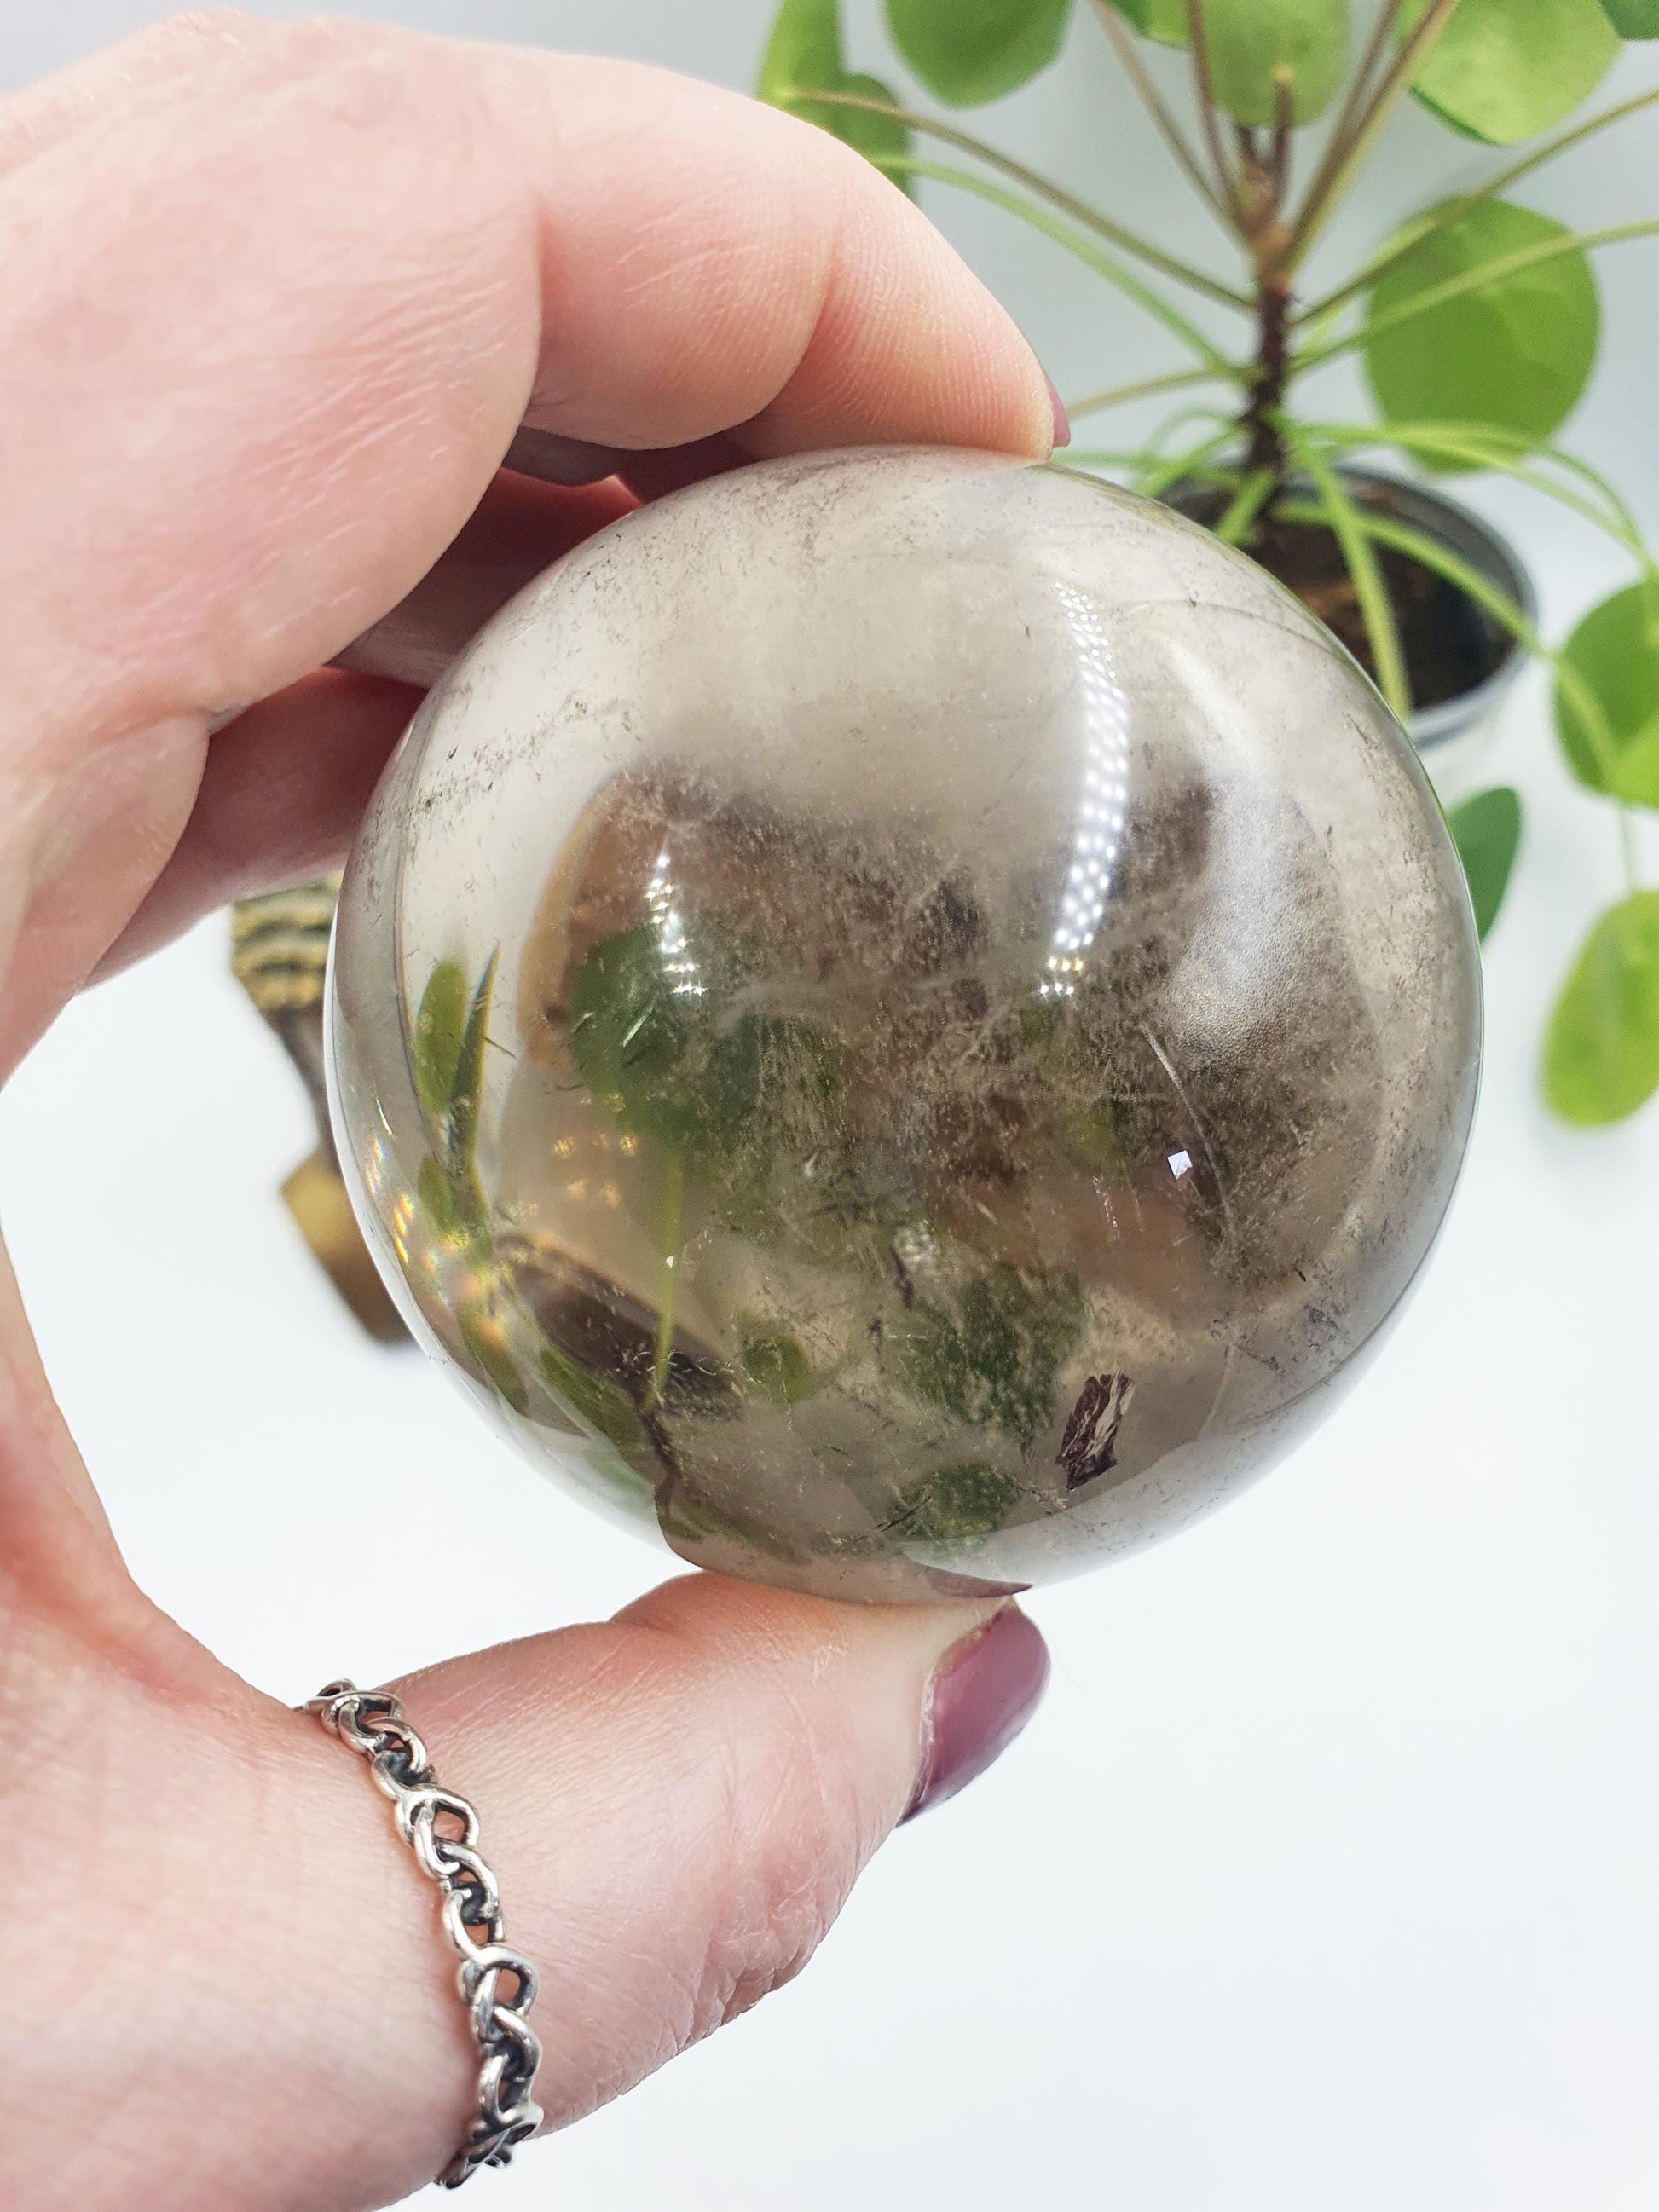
column 901, row 1018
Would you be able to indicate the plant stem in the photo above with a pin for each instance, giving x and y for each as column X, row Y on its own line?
column 1079, row 210
column 1102, row 457
column 1075, row 242
column 1456, row 209
column 1262, row 419
column 1261, row 178
column 672, row 1200
column 1143, row 388
column 1364, row 81
column 1478, row 446
column 1344, row 158
column 1157, row 481
column 1198, row 39
column 1153, row 445
column 1354, row 104
column 1279, row 154
column 1472, row 280
column 1418, row 546
column 1173, row 138
column 1376, row 609
column 1247, row 502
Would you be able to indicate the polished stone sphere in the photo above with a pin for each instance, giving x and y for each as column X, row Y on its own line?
column 903, row 1018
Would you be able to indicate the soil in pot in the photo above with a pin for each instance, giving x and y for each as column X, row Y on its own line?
column 1450, row 645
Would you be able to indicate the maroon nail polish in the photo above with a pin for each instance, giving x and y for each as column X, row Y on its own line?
column 981, row 1695
column 1062, row 420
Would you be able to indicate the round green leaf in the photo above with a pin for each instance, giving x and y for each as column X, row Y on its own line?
column 1503, row 70
column 1633, row 19
column 1614, row 655
column 1601, row 1055
column 969, row 52
column 1251, row 39
column 1514, row 353
column 1487, row 830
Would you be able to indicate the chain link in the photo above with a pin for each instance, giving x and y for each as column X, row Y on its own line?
column 371, row 1722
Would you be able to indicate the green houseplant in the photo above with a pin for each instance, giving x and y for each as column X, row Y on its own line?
column 1477, row 325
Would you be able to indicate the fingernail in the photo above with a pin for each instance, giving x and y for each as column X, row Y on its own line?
column 1062, row 420
column 558, row 460
column 981, row 1695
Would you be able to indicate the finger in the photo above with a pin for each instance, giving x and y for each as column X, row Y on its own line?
column 283, row 789
column 287, row 780
column 340, row 293
column 185, row 59
column 518, row 529
column 675, row 1805
column 188, row 58
column 186, row 55
column 279, row 353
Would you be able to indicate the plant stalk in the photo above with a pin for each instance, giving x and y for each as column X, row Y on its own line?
column 1472, row 280
column 1478, row 446
column 1279, row 153
column 1455, row 210
column 1262, row 418
column 1143, row 388
column 1371, row 586
column 1198, row 40
column 1074, row 241
column 1345, row 156
column 1044, row 187
column 1169, row 129
column 1418, row 546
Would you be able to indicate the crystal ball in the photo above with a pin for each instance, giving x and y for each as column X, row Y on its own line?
column 901, row 1019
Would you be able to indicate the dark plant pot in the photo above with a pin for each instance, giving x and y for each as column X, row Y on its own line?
column 1451, row 731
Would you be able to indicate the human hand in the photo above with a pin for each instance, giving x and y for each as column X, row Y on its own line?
column 277, row 300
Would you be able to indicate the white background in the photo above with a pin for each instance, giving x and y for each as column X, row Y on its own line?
column 1327, row 1879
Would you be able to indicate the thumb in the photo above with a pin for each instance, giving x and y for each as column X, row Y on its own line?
column 676, row 1804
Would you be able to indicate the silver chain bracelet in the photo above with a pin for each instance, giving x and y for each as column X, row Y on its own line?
column 371, row 1722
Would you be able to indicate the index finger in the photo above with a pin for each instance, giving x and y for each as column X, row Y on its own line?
column 263, row 347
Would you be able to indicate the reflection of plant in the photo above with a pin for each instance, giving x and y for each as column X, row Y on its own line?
column 1477, row 325
column 451, row 1032
column 670, row 1058
column 450, row 1029
column 956, row 1505
column 993, row 1360
column 750, row 1113
column 594, row 1399
column 739, row 1101
column 660, row 1037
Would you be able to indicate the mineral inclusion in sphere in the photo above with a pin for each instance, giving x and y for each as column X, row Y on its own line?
column 901, row 1018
